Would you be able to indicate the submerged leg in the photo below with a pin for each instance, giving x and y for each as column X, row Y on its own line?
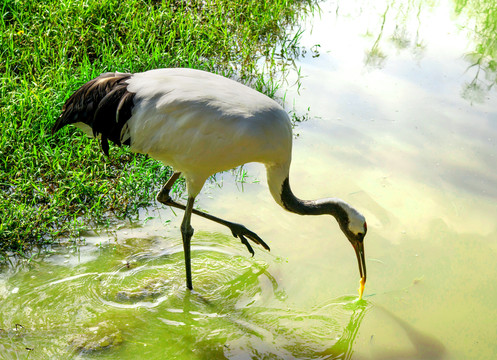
column 238, row 230
column 187, row 233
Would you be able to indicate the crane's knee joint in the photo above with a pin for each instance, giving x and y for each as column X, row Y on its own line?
column 163, row 196
column 187, row 230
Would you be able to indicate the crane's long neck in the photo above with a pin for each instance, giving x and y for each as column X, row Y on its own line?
column 279, row 185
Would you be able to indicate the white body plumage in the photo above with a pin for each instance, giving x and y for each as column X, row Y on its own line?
column 207, row 125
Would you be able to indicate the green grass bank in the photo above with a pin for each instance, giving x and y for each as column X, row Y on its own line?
column 58, row 186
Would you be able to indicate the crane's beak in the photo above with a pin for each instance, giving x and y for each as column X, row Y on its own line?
column 361, row 260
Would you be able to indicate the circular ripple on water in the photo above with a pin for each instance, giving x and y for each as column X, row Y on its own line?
column 149, row 278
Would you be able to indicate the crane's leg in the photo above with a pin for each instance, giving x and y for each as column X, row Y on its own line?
column 163, row 195
column 187, row 233
column 238, row 230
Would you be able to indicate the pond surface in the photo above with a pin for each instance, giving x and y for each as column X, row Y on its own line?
column 403, row 125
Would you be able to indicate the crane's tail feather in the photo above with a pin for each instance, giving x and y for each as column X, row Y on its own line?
column 105, row 105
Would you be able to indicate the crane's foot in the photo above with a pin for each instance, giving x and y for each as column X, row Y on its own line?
column 241, row 232
column 238, row 230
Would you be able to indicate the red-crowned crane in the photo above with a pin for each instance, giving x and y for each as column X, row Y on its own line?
column 200, row 124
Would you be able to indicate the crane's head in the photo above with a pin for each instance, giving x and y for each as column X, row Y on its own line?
column 353, row 225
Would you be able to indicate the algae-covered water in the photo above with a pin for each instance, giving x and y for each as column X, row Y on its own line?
column 403, row 125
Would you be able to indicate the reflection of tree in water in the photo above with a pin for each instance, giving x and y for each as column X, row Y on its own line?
column 402, row 14
column 375, row 57
column 482, row 22
column 400, row 23
column 401, row 35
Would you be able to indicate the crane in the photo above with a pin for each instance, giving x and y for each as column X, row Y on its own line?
column 200, row 123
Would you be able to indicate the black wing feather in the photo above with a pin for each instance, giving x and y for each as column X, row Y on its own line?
column 104, row 104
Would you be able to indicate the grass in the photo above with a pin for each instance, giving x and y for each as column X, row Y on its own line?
column 58, row 186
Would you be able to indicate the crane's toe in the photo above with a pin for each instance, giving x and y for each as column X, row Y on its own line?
column 241, row 232
column 246, row 243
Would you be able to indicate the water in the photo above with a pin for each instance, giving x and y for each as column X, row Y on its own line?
column 400, row 125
